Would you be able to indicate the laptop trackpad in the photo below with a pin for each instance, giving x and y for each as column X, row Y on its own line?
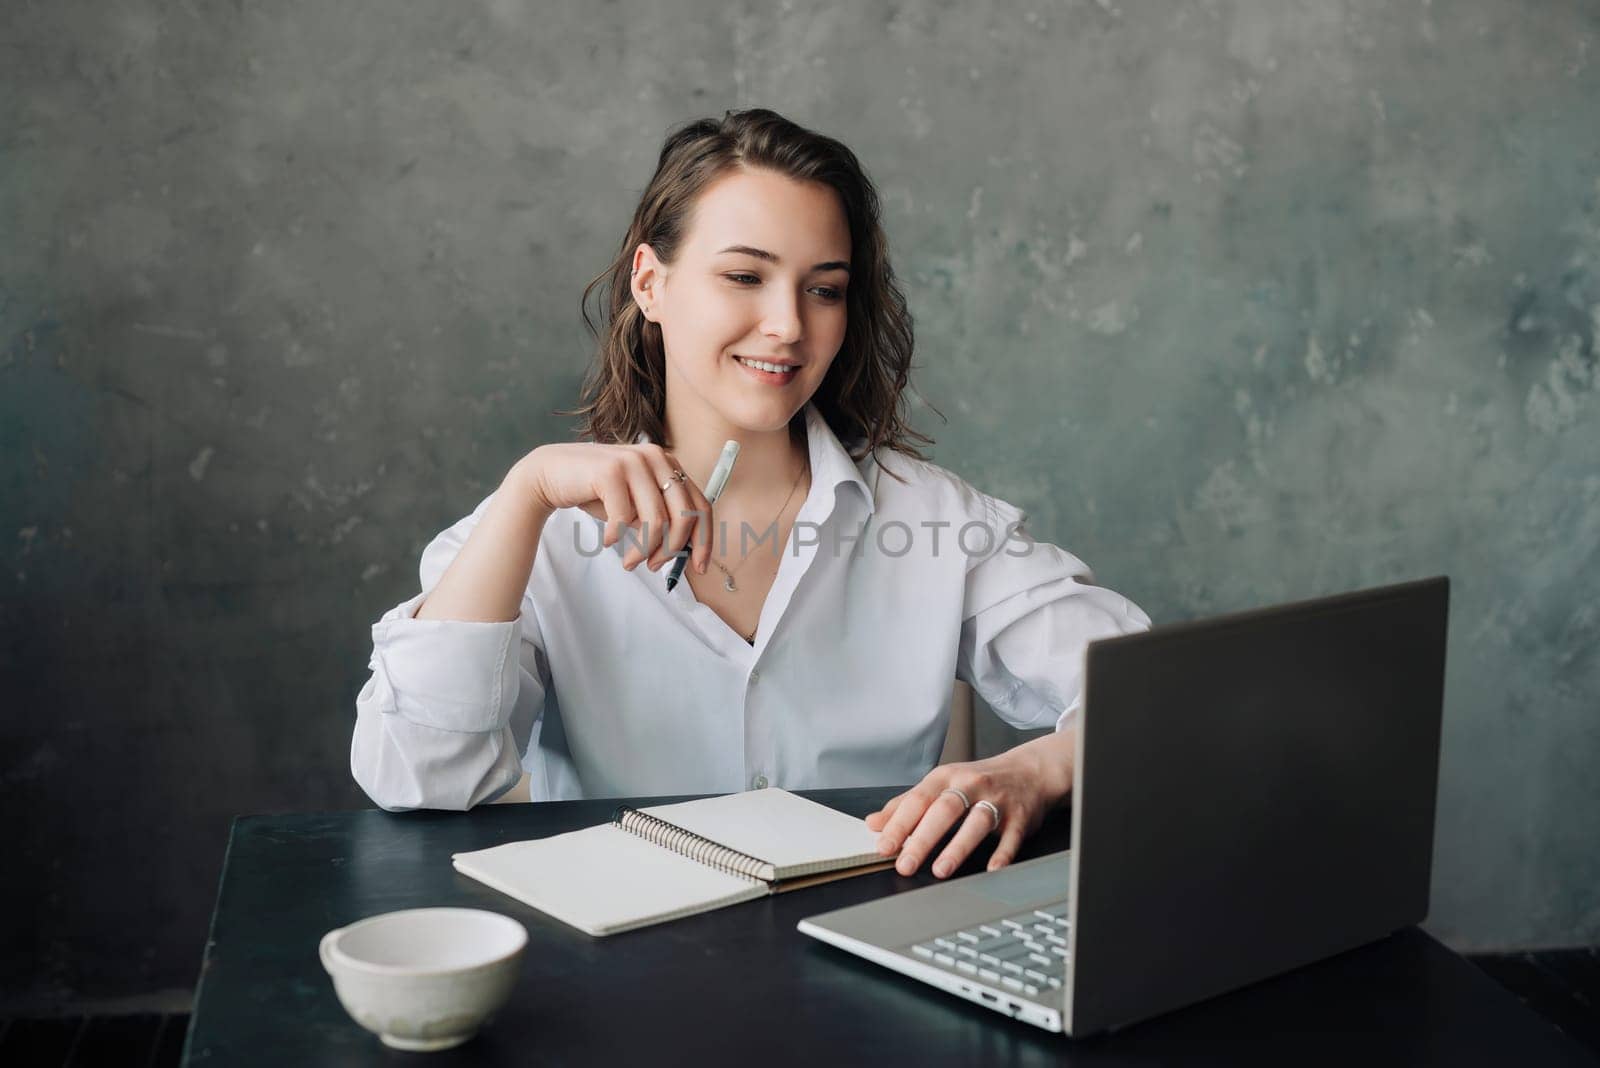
column 915, row 915
column 1021, row 885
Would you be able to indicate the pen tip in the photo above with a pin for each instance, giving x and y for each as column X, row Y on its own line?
column 671, row 582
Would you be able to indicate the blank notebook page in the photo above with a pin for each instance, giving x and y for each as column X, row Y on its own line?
column 604, row 880
column 796, row 836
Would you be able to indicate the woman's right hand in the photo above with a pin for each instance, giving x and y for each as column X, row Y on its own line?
column 621, row 484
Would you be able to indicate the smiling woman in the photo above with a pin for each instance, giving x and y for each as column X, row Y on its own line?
column 751, row 299
column 735, row 314
column 757, row 208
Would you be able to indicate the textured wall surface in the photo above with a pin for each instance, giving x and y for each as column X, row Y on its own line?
column 1243, row 302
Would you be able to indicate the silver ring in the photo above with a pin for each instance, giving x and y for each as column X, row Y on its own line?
column 993, row 812
column 966, row 802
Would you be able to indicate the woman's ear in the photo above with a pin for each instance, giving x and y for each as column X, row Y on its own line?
column 643, row 280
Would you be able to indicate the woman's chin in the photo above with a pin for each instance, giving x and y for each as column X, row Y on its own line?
column 761, row 415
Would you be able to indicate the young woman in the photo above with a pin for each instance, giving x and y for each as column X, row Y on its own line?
column 834, row 591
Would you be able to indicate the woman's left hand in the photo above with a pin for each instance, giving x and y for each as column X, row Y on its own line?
column 1023, row 784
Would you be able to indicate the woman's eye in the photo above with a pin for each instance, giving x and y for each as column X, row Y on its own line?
column 827, row 293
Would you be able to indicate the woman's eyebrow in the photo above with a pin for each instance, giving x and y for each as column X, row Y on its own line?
column 763, row 254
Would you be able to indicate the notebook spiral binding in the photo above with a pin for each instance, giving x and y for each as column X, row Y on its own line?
column 659, row 832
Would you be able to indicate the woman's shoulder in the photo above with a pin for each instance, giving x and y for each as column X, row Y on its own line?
column 926, row 491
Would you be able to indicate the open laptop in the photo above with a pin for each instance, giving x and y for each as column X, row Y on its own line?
column 1253, row 792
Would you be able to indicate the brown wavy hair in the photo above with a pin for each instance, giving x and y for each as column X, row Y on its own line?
column 861, row 396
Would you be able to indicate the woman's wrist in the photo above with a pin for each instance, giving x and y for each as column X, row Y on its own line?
column 1051, row 760
column 486, row 581
column 524, row 482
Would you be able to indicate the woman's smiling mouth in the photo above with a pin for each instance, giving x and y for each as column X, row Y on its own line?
column 776, row 373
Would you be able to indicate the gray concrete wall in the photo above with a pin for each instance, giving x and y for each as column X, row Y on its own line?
column 1243, row 301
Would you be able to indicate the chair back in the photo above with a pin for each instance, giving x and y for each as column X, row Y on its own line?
column 960, row 741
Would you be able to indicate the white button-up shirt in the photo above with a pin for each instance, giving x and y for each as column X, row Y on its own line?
column 607, row 685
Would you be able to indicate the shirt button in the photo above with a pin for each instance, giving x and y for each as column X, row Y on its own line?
column 755, row 677
column 761, row 782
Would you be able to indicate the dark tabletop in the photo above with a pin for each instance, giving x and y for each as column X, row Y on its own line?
column 741, row 985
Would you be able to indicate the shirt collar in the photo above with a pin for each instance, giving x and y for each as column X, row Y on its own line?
column 831, row 465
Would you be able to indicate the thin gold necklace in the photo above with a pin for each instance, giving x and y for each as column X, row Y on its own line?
column 727, row 583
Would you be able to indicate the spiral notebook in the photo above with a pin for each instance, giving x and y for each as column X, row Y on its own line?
column 661, row 863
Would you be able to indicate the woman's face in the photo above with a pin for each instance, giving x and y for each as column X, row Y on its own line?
column 760, row 275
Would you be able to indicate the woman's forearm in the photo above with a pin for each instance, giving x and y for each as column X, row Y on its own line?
column 486, row 580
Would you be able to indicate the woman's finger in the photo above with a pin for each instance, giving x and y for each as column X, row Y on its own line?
column 936, row 821
column 1012, row 831
column 888, row 808
column 694, row 511
column 650, row 507
column 618, row 503
column 875, row 821
column 703, row 528
column 975, row 828
column 682, row 515
column 906, row 815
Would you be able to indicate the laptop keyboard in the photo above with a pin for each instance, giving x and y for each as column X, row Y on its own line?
column 1026, row 952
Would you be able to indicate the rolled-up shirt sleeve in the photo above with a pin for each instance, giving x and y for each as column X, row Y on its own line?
column 438, row 721
column 1031, row 609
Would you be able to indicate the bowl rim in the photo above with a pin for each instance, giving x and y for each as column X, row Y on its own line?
column 331, row 951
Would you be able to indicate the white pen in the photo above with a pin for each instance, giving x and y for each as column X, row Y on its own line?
column 719, row 478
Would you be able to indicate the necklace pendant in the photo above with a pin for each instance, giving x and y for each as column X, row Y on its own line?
column 728, row 585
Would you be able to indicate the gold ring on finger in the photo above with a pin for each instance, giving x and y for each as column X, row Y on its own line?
column 993, row 812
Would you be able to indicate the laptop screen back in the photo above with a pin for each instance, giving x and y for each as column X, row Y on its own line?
column 1259, row 795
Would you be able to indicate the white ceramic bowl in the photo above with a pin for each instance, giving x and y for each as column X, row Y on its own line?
column 424, row 979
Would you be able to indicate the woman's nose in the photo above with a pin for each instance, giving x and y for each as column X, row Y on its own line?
column 782, row 322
